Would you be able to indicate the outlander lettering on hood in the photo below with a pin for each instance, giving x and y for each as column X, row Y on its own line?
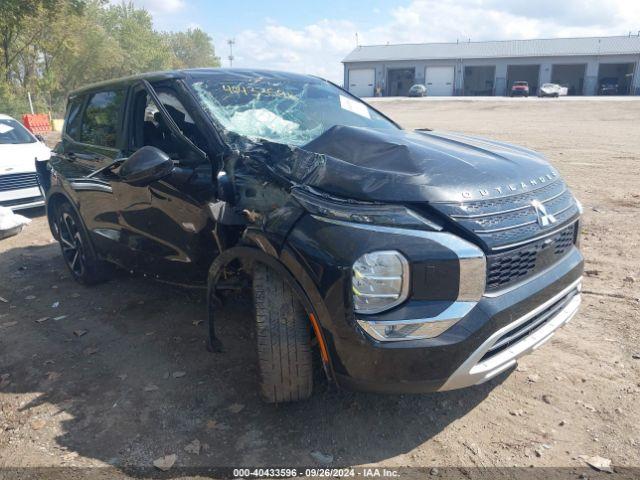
column 412, row 260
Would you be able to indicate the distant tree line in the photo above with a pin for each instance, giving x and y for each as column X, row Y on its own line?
column 49, row 47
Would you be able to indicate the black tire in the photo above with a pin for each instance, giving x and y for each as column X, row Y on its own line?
column 283, row 337
column 77, row 251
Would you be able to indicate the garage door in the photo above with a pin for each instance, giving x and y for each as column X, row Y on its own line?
column 361, row 82
column 439, row 81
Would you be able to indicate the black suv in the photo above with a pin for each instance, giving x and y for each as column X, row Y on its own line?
column 404, row 261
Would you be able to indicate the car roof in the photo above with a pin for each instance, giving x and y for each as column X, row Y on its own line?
column 226, row 73
column 5, row 117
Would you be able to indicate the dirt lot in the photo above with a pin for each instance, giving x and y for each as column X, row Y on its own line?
column 118, row 375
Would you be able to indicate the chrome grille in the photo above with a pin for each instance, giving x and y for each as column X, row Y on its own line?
column 511, row 221
column 16, row 181
column 517, row 245
column 500, row 205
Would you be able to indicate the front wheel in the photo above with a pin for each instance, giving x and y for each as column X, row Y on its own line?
column 78, row 255
column 284, row 339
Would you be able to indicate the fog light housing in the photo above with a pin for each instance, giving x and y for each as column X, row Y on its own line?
column 380, row 281
column 418, row 329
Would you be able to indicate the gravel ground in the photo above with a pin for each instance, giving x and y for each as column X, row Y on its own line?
column 117, row 375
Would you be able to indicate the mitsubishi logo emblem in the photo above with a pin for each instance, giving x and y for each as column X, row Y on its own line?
column 544, row 219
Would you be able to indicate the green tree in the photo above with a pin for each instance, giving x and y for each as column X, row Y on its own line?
column 21, row 24
column 50, row 47
column 192, row 49
column 143, row 49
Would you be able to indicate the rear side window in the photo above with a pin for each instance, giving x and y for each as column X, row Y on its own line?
column 101, row 118
column 72, row 118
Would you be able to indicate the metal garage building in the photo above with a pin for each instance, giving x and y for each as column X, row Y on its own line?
column 490, row 68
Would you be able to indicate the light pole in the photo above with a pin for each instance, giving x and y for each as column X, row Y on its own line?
column 231, row 42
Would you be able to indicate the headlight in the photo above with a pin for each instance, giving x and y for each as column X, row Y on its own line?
column 326, row 206
column 380, row 281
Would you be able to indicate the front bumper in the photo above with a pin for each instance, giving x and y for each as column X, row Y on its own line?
column 544, row 320
column 22, row 190
column 22, row 198
column 457, row 357
column 463, row 356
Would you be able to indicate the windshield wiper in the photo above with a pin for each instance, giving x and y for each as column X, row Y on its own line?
column 110, row 166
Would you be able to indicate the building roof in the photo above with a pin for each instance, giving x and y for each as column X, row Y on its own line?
column 549, row 47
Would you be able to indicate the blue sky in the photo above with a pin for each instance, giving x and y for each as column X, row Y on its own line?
column 230, row 17
column 314, row 36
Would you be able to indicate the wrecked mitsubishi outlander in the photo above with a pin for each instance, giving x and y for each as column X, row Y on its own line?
column 400, row 261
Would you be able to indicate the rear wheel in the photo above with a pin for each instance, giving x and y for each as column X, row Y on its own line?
column 284, row 339
column 76, row 250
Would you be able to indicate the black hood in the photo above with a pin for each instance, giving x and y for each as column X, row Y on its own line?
column 405, row 166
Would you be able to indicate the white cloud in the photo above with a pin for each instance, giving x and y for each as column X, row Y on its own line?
column 314, row 49
column 318, row 48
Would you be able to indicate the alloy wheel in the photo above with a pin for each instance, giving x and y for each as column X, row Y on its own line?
column 71, row 242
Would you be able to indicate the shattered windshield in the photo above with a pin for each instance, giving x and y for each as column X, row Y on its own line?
column 282, row 110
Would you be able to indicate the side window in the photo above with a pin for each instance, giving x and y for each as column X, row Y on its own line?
column 101, row 117
column 151, row 129
column 181, row 117
column 154, row 132
column 72, row 118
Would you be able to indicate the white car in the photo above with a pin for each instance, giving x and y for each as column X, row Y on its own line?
column 19, row 152
column 552, row 90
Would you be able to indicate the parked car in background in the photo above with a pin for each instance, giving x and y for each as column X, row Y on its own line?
column 418, row 90
column 392, row 259
column 608, row 86
column 520, row 89
column 20, row 150
column 552, row 90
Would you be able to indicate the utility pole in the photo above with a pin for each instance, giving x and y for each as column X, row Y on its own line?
column 30, row 102
column 231, row 42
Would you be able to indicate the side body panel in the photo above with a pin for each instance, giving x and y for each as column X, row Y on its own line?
column 160, row 230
